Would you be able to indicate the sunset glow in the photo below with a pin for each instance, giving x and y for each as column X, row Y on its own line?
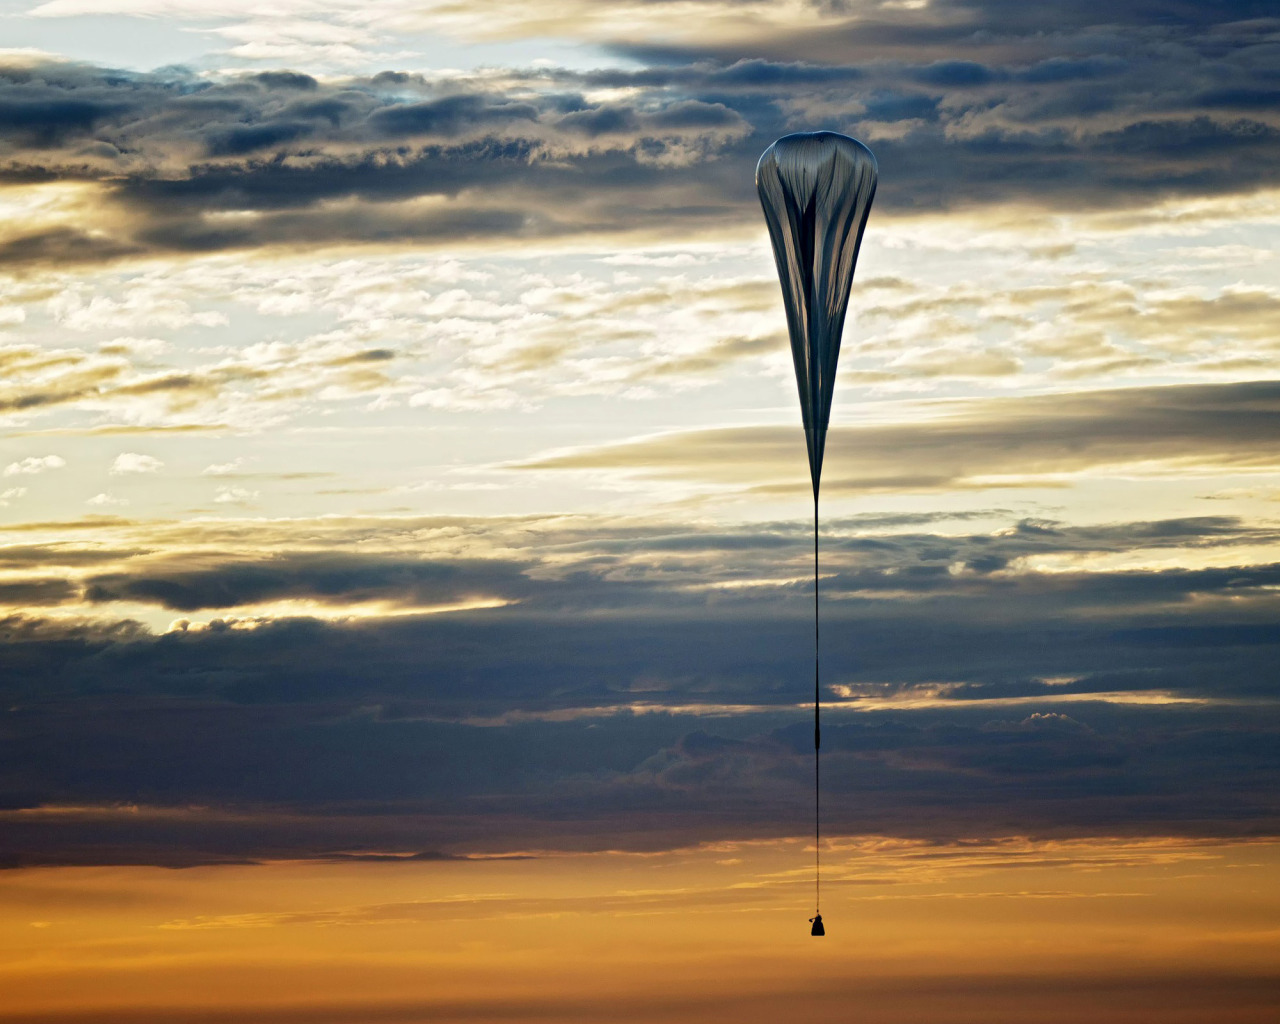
column 1013, row 929
column 406, row 553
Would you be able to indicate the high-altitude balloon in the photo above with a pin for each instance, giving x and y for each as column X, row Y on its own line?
column 816, row 189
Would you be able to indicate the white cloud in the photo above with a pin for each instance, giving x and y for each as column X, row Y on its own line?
column 348, row 25
column 145, row 303
column 101, row 500
column 34, row 464
column 132, row 462
column 8, row 495
column 235, row 496
column 224, row 468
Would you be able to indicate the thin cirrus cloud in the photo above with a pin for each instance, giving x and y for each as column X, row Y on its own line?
column 1018, row 440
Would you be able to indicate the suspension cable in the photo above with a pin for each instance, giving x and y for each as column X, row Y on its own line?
column 817, row 727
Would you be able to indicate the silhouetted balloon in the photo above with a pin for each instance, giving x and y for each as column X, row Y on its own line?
column 816, row 189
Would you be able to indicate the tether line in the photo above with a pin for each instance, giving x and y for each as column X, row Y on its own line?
column 817, row 728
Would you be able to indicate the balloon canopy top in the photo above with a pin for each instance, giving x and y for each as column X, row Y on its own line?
column 816, row 189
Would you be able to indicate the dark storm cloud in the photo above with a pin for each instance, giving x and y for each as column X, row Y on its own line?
column 238, row 141
column 50, row 122
column 328, row 577
column 1003, row 28
column 278, row 185
column 295, row 760
column 964, row 104
column 447, row 116
column 35, row 592
column 502, row 729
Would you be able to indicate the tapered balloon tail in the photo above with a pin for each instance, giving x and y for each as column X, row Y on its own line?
column 817, row 926
column 816, row 190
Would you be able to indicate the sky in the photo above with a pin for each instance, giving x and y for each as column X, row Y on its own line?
column 405, row 539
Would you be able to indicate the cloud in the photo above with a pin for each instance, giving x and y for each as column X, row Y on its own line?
column 234, row 496
column 301, row 707
column 447, row 684
column 982, row 443
column 34, row 464
column 1087, row 328
column 224, row 468
column 47, row 556
column 636, row 686
column 36, row 592
column 325, row 577
column 253, row 384
column 175, row 162
column 104, row 500
column 132, row 462
column 886, row 564
column 142, row 306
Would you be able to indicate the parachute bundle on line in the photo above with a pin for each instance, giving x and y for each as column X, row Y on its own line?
column 816, row 189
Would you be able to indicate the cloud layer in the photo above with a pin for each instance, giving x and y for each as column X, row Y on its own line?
column 965, row 105
column 1077, row 227
column 639, row 689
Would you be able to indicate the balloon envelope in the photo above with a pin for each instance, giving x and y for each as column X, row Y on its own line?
column 816, row 189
